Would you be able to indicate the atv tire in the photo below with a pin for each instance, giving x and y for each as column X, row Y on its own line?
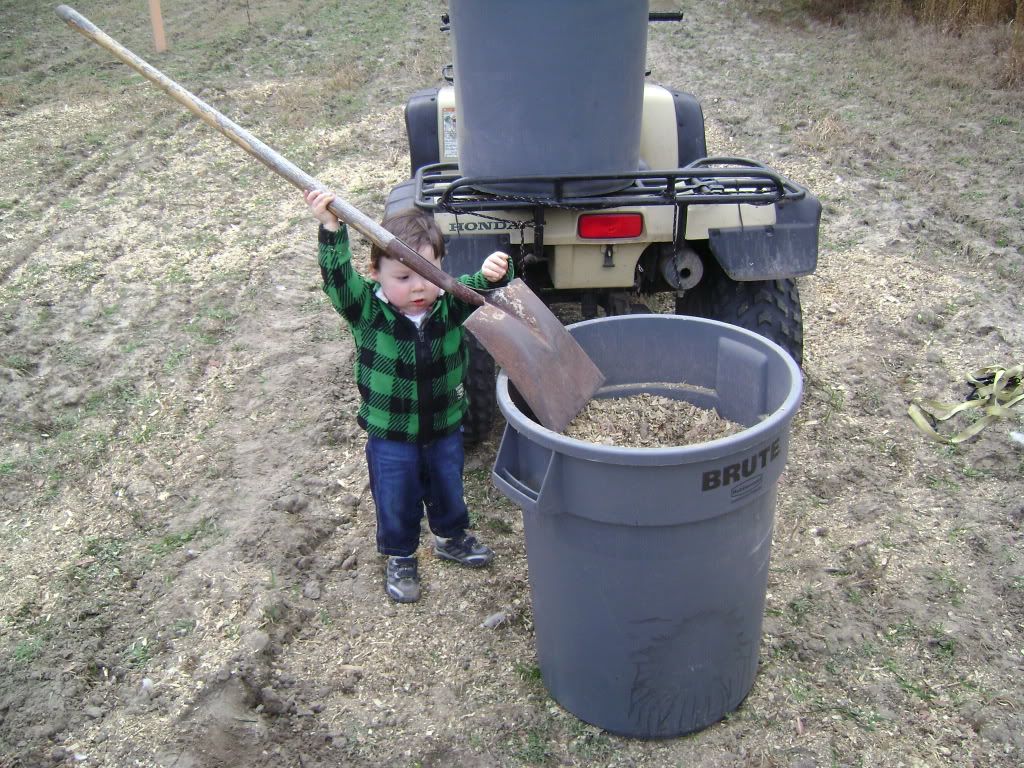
column 481, row 390
column 770, row 308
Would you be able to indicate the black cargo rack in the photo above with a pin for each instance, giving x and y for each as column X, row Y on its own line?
column 710, row 180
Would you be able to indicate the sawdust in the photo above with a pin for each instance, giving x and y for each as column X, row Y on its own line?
column 648, row 421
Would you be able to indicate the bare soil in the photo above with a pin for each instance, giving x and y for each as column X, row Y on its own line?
column 188, row 574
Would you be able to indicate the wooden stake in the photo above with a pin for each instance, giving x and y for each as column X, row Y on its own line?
column 158, row 26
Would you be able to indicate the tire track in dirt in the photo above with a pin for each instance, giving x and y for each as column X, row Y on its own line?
column 262, row 517
column 68, row 152
column 277, row 509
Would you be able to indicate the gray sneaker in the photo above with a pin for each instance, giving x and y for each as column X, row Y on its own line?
column 465, row 550
column 403, row 581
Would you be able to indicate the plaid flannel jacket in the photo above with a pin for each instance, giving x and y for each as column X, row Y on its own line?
column 410, row 379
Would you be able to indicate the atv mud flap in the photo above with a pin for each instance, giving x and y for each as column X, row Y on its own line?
column 788, row 248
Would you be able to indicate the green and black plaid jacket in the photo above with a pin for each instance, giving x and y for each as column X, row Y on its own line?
column 410, row 379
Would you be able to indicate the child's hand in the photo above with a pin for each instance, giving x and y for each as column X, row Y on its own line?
column 495, row 267
column 318, row 202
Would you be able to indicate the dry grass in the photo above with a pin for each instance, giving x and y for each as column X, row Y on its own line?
column 950, row 13
column 950, row 16
column 957, row 12
column 1015, row 70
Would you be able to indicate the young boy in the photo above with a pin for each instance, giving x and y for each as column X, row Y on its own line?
column 409, row 366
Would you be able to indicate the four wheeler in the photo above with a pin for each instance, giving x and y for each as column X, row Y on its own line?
column 549, row 143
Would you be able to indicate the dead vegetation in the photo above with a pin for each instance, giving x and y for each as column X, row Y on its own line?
column 1001, row 19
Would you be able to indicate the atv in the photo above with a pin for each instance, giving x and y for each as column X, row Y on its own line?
column 548, row 141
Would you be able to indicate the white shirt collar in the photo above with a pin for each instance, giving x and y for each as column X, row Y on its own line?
column 417, row 319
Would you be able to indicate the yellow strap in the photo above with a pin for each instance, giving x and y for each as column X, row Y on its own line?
column 995, row 391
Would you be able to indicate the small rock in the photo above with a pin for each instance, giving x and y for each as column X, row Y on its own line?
column 146, row 688
column 257, row 641
column 815, row 645
column 140, row 488
column 273, row 704
column 928, row 318
column 94, row 712
column 58, row 754
column 348, row 676
column 333, row 488
column 495, row 620
column 995, row 732
column 311, row 590
column 73, row 396
column 291, row 504
column 350, row 562
column 44, row 730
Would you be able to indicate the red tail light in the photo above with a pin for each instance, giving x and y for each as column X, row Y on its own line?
column 607, row 226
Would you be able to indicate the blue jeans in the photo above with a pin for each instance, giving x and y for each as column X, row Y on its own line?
column 406, row 476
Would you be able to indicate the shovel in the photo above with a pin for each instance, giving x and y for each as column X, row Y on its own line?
column 550, row 370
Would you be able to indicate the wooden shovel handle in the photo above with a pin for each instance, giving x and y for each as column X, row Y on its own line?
column 274, row 161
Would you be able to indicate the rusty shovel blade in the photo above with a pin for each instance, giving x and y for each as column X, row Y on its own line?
column 548, row 367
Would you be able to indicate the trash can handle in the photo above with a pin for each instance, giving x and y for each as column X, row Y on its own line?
column 528, row 499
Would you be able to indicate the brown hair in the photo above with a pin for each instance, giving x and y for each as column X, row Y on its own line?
column 415, row 228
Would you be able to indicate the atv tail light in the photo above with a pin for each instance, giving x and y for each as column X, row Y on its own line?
column 605, row 226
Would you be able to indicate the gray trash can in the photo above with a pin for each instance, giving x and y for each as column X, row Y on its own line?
column 649, row 566
column 548, row 88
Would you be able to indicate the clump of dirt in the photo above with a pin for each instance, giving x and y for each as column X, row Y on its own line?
column 648, row 421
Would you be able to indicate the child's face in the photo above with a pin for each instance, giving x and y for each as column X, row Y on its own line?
column 407, row 292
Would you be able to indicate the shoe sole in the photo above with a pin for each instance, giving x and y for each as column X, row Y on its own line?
column 398, row 597
column 467, row 563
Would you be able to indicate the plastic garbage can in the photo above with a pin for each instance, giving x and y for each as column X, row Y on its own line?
column 549, row 88
column 649, row 566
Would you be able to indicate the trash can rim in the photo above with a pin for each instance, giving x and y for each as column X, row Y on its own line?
column 757, row 433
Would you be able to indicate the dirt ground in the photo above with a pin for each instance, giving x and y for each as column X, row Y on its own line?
column 188, row 575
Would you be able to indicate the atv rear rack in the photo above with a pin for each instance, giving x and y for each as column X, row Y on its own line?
column 710, row 180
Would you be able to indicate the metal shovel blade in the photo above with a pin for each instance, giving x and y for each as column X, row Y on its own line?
column 548, row 367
